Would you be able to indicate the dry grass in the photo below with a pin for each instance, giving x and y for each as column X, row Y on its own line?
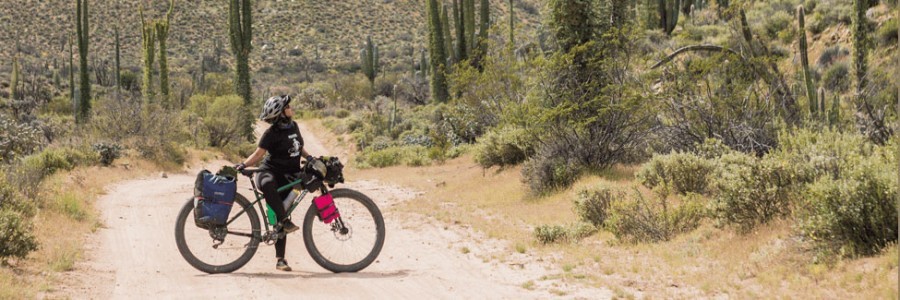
column 66, row 218
column 707, row 262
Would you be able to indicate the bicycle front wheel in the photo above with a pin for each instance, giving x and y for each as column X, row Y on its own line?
column 218, row 249
column 351, row 242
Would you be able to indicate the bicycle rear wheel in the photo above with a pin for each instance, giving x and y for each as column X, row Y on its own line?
column 220, row 249
column 351, row 242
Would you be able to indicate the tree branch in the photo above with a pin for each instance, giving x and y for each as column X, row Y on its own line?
column 694, row 48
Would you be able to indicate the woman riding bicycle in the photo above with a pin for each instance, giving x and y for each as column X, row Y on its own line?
column 284, row 146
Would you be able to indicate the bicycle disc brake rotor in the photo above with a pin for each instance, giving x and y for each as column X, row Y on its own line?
column 342, row 233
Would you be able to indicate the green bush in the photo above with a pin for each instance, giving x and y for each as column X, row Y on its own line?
column 16, row 238
column 680, row 172
column 636, row 219
column 592, row 205
column 831, row 55
column 548, row 234
column 504, row 146
column 837, row 77
column 108, row 152
column 778, row 22
column 712, row 148
column 808, row 155
column 887, row 33
column 749, row 191
column 413, row 156
column 544, row 174
column 222, row 120
column 17, row 139
column 11, row 200
column 853, row 215
column 52, row 160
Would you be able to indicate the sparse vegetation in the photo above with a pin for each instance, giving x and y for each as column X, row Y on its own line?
column 703, row 103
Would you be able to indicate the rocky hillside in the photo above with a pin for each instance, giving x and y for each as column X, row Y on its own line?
column 286, row 32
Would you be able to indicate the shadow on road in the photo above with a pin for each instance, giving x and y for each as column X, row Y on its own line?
column 302, row 274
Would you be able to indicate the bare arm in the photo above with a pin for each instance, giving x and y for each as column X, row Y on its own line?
column 254, row 158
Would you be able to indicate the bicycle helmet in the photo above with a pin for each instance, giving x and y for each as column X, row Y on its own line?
column 274, row 108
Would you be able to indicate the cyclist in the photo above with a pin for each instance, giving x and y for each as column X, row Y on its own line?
column 280, row 149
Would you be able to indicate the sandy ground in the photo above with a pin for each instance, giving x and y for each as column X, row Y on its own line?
column 133, row 255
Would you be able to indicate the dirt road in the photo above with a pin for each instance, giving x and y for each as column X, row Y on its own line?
column 134, row 256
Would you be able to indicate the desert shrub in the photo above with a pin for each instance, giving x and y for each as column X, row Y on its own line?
column 129, row 81
column 380, row 143
column 831, row 55
column 580, row 230
column 16, row 238
column 544, row 174
column 392, row 156
column 17, row 139
column 341, row 114
column 57, row 127
column 778, row 22
column 61, row 105
column 415, row 137
column 52, row 160
column 160, row 135
column 680, row 172
column 749, row 191
column 837, row 77
column 222, row 121
column 636, row 219
column 504, row 146
column 548, row 234
column 887, row 33
column 829, row 13
column 11, row 200
column 592, row 205
column 712, row 148
column 733, row 109
column 108, row 152
column 811, row 154
column 855, row 214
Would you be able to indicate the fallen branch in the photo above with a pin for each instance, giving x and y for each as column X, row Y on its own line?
column 694, row 48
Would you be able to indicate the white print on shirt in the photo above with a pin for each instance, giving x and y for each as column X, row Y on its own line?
column 295, row 151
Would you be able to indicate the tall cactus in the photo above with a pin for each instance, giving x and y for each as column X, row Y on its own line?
column 162, row 34
column 83, row 37
column 804, row 60
column 438, row 57
column 423, row 64
column 240, row 30
column 459, row 15
column 860, row 47
column 484, row 25
column 822, row 106
column 448, row 39
column 148, row 43
column 512, row 26
column 14, row 80
column 834, row 117
column 71, row 71
column 118, row 63
column 668, row 14
column 369, row 59
column 469, row 23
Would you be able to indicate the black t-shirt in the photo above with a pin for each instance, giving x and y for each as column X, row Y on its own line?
column 283, row 147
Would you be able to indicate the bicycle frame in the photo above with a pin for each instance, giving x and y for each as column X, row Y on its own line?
column 262, row 210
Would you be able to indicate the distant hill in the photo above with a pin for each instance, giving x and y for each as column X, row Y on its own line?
column 286, row 32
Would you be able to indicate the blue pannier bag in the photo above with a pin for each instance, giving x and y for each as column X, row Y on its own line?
column 213, row 198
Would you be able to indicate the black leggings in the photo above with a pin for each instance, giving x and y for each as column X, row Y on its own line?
column 268, row 183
